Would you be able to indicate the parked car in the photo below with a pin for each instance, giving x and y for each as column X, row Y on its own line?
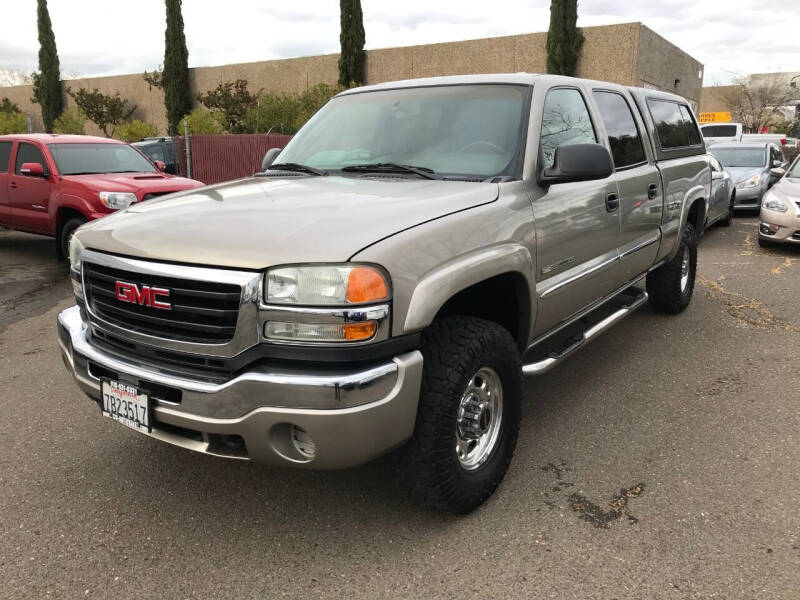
column 723, row 195
column 163, row 149
column 779, row 220
column 415, row 250
column 716, row 133
column 749, row 165
column 52, row 184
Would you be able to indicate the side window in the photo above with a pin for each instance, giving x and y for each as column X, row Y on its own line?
column 28, row 153
column 155, row 153
column 669, row 121
column 565, row 120
column 691, row 126
column 5, row 154
column 623, row 136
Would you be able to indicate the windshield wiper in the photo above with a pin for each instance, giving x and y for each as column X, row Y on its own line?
column 296, row 167
column 423, row 172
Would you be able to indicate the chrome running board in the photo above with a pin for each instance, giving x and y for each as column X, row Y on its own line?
column 555, row 357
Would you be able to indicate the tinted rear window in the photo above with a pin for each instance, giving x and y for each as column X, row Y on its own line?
column 674, row 124
column 719, row 131
column 623, row 136
column 5, row 153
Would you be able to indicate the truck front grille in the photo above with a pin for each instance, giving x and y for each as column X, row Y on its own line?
column 200, row 311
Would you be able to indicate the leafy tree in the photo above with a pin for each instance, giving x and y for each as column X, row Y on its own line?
column 71, row 121
column 13, row 122
column 757, row 102
column 7, row 106
column 232, row 99
column 286, row 113
column 351, row 38
column 175, row 77
column 202, row 122
column 564, row 39
column 154, row 79
column 136, row 130
column 47, row 90
column 105, row 110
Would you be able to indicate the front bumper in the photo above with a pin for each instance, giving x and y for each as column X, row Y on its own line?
column 787, row 225
column 352, row 415
column 748, row 197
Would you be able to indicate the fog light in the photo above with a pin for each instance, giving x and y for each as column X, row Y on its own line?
column 303, row 443
column 768, row 228
column 320, row 332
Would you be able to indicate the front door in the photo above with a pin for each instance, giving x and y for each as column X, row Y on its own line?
column 638, row 180
column 577, row 224
column 5, row 160
column 29, row 197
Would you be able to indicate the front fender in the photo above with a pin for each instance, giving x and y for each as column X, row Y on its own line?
column 436, row 287
column 673, row 228
column 83, row 206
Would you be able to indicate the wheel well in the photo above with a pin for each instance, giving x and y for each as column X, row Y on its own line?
column 504, row 299
column 697, row 216
column 64, row 214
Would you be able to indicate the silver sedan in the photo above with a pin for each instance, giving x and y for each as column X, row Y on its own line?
column 779, row 220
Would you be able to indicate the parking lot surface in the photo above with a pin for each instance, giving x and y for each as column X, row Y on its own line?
column 661, row 461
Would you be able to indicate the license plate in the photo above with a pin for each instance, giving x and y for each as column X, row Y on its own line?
column 126, row 404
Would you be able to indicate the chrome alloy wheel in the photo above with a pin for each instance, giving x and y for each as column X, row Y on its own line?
column 685, row 268
column 480, row 414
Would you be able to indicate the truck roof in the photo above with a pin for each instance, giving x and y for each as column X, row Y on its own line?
column 50, row 138
column 507, row 78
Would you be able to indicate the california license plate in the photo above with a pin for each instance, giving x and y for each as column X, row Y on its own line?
column 126, row 404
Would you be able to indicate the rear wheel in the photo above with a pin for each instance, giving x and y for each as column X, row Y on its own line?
column 65, row 234
column 468, row 416
column 670, row 287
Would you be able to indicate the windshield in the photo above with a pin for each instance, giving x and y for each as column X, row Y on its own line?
column 794, row 170
column 471, row 130
column 740, row 157
column 81, row 159
column 719, row 130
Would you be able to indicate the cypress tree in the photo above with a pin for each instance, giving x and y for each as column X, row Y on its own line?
column 564, row 39
column 175, row 77
column 47, row 82
column 351, row 37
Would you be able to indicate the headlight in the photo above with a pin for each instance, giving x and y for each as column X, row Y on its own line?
column 773, row 203
column 754, row 181
column 75, row 249
column 117, row 200
column 323, row 285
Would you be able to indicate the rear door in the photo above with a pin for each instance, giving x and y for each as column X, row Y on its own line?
column 29, row 197
column 577, row 223
column 5, row 160
column 637, row 178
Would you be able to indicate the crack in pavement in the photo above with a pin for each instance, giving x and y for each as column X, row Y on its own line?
column 745, row 310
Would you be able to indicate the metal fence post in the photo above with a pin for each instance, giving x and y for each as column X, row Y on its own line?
column 188, row 148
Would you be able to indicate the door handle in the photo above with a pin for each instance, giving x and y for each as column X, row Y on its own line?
column 13, row 185
column 612, row 202
column 652, row 191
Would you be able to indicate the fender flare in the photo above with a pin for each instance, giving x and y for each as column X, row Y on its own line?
column 436, row 287
column 697, row 193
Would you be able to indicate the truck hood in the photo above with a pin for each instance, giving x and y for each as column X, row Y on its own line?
column 255, row 223
column 138, row 183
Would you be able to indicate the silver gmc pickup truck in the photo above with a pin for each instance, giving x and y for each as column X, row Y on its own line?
column 392, row 275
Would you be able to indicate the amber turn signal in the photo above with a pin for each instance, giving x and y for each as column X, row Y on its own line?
column 365, row 285
column 354, row 332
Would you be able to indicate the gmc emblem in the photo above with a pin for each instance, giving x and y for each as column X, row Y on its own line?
column 146, row 295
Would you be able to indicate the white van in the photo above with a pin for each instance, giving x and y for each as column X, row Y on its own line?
column 714, row 133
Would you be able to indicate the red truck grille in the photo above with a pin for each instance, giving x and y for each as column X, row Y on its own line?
column 199, row 311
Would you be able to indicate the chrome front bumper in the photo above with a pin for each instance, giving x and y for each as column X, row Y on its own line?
column 352, row 415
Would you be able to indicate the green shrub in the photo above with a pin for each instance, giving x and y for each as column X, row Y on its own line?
column 202, row 122
column 71, row 121
column 13, row 122
column 286, row 113
column 136, row 130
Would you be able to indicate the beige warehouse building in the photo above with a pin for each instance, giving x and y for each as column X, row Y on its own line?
column 628, row 53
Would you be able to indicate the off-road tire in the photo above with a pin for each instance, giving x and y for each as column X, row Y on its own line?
column 664, row 284
column 454, row 349
column 726, row 222
column 64, row 234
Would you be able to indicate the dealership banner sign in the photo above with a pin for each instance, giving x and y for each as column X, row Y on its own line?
column 715, row 117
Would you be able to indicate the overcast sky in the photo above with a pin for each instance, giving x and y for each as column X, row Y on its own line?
column 103, row 37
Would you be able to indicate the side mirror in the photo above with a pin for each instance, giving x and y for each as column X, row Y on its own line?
column 777, row 173
column 269, row 158
column 32, row 169
column 578, row 162
column 717, row 175
column 161, row 166
column 776, row 163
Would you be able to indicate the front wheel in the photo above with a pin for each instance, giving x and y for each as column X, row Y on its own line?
column 469, row 414
column 65, row 234
column 670, row 287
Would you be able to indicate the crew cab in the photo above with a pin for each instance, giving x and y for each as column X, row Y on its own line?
column 392, row 275
column 52, row 184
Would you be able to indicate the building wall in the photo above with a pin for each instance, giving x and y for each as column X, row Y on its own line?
column 627, row 53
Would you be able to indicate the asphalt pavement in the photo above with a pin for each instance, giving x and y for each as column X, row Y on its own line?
column 662, row 461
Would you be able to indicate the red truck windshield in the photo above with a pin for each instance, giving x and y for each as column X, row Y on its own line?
column 85, row 159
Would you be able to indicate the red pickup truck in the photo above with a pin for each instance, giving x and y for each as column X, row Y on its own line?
column 52, row 184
